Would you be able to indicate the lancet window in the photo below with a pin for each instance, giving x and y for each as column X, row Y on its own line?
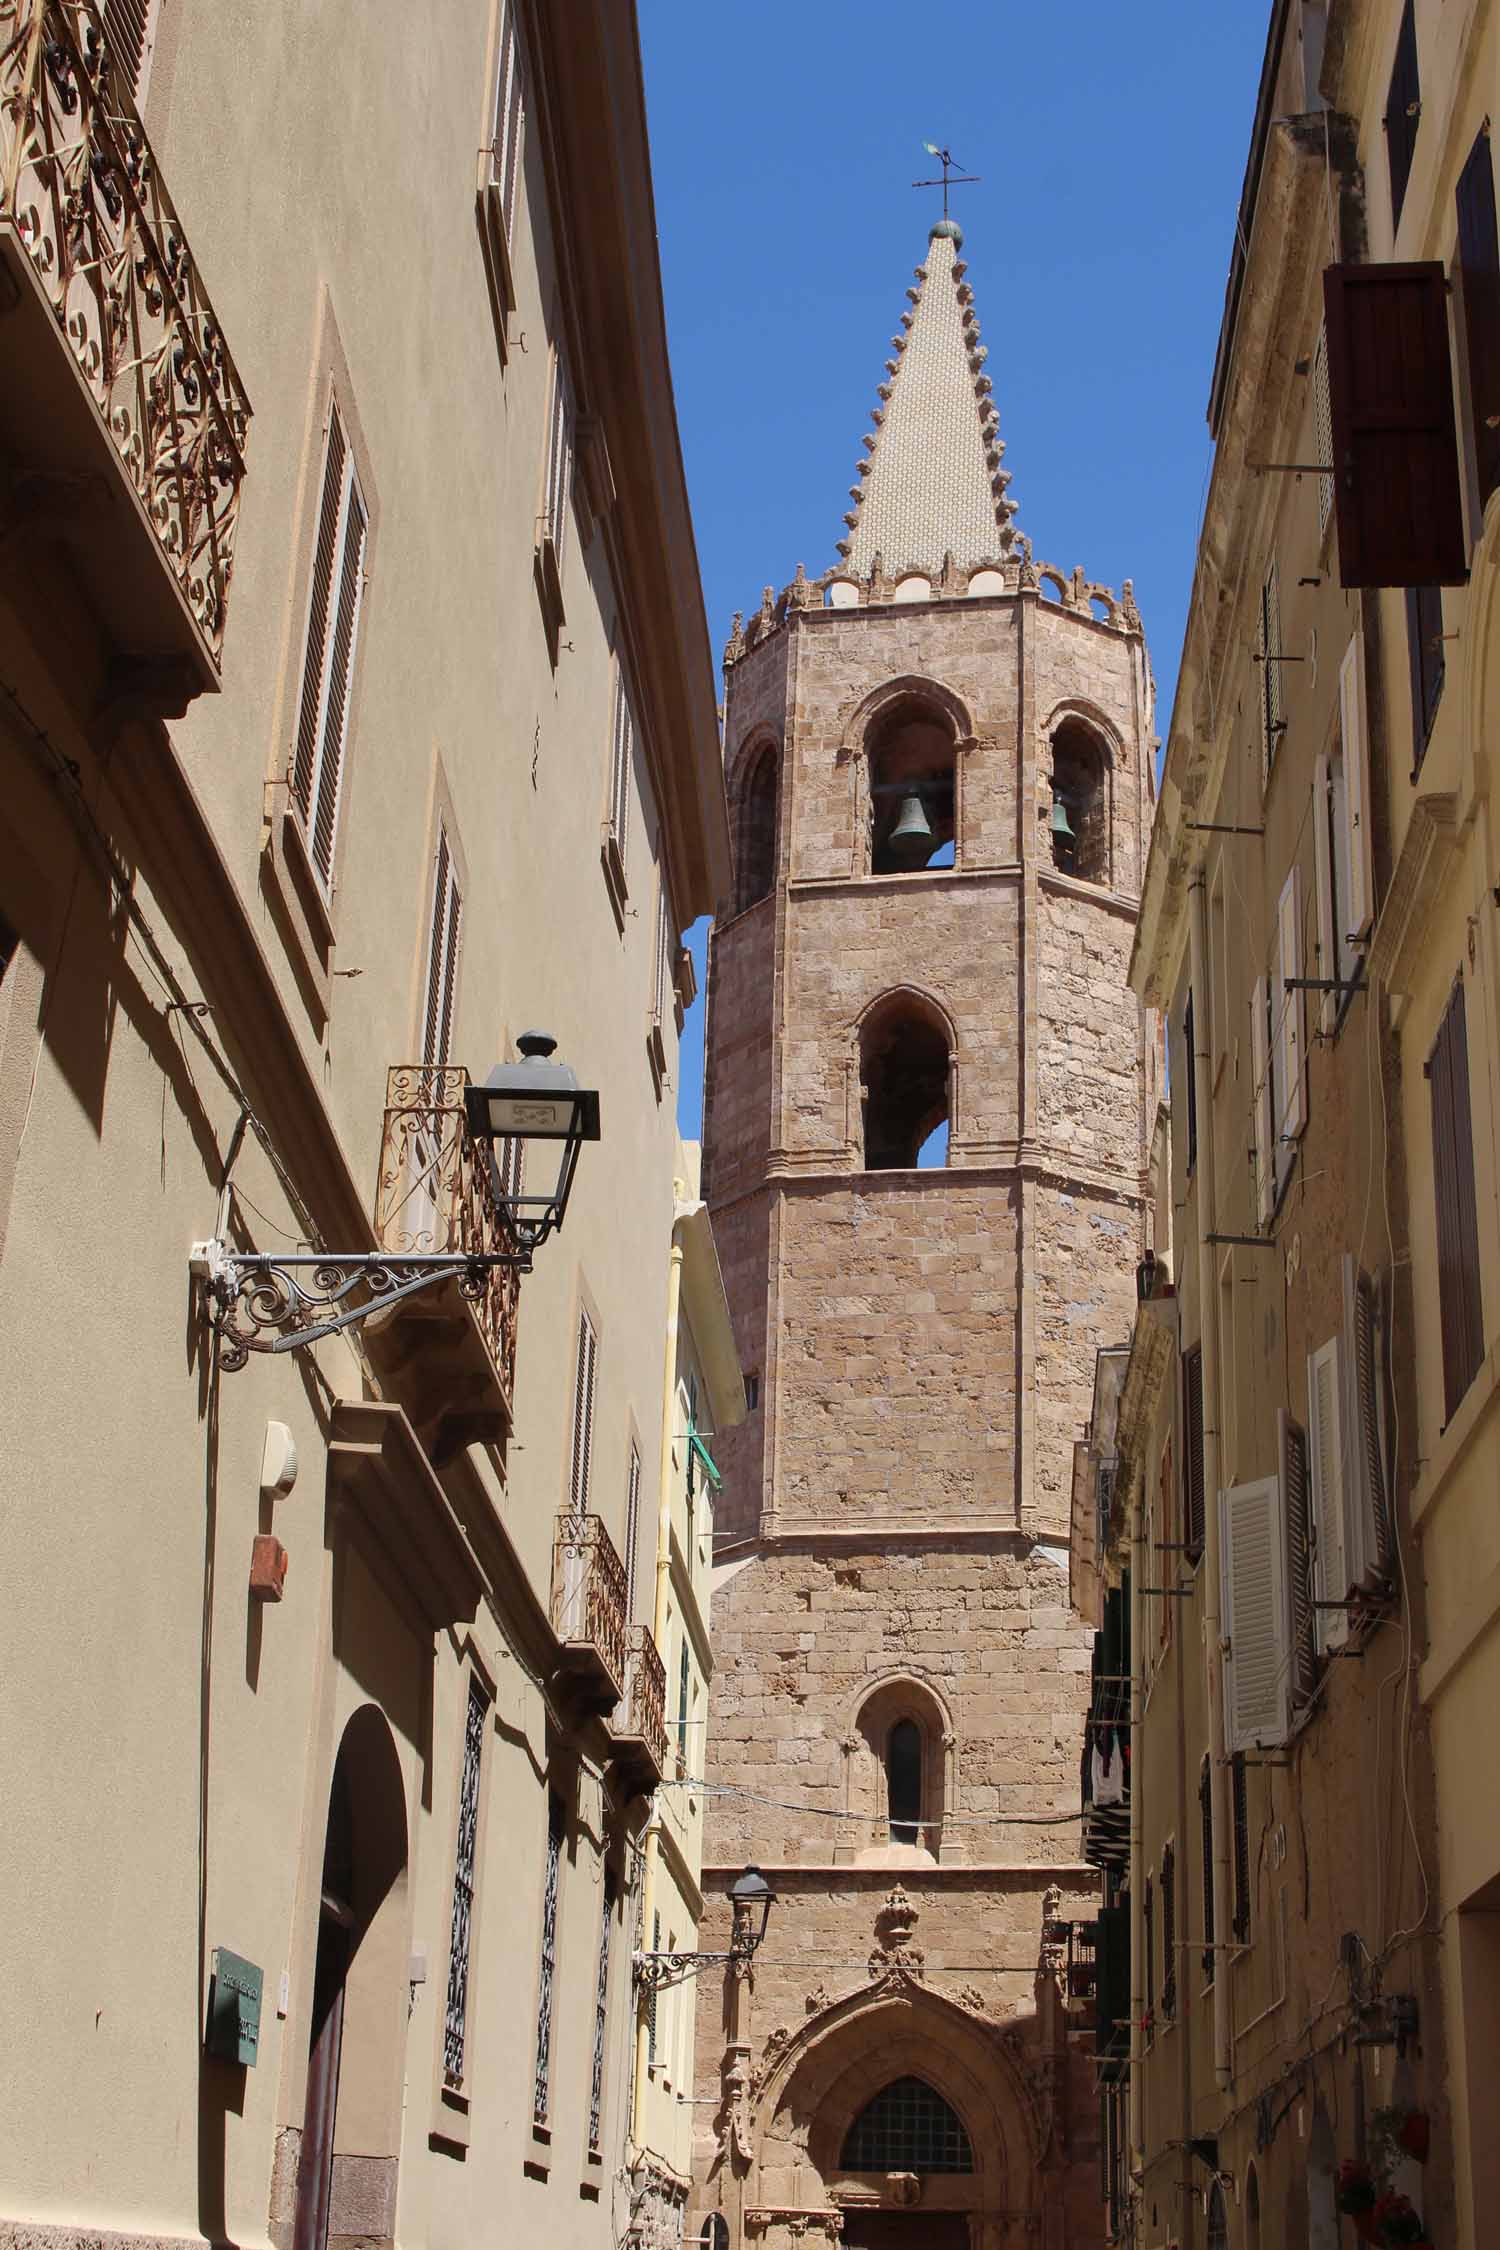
column 913, row 793
column 755, row 841
column 1079, row 819
column 904, row 1071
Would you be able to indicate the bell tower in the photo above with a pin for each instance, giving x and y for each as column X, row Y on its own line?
column 929, row 1097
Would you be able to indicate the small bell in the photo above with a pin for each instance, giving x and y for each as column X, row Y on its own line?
column 910, row 842
column 1061, row 825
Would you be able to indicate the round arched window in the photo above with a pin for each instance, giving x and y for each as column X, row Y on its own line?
column 715, row 2235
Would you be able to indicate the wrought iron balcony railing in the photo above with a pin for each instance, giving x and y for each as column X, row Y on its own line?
column 435, row 1193
column 639, row 1724
column 588, row 1607
column 88, row 230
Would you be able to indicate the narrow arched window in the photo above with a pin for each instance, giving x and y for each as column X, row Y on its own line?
column 908, row 2127
column 903, row 1781
column 903, row 1070
column 715, row 2235
column 755, row 843
column 1079, row 819
column 1218, row 2219
column 913, row 801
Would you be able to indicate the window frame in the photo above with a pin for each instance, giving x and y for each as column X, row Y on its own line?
column 451, row 2109
column 544, row 2041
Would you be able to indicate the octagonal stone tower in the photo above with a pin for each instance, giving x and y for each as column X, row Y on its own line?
column 929, row 1098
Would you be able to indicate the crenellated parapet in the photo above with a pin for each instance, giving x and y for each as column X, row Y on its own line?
column 996, row 577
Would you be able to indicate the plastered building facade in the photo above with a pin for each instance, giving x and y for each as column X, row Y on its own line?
column 357, row 716
column 928, row 1091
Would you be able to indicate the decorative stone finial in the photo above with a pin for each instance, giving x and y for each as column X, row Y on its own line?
column 734, row 647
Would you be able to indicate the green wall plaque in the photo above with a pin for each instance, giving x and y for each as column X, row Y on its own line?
column 234, row 2008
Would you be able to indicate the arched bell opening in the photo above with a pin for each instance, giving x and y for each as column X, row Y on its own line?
column 755, row 829
column 905, row 1075
column 357, row 2034
column 913, row 789
column 1078, row 825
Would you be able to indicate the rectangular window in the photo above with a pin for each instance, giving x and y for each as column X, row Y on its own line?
column 1241, row 1813
column 1322, row 429
column 557, row 1824
column 1478, row 264
column 559, row 485
column 509, row 119
column 752, row 1390
column 584, row 1375
column 1302, row 1592
column 1460, row 1305
column 440, row 979
column 1206, row 1828
column 1168, row 1933
column 1268, row 651
column 465, row 1864
column 621, row 758
column 1254, row 1594
column 632, row 1527
column 601, row 2015
column 1403, row 111
column 1325, row 1424
column 1192, row 1451
column 683, row 1671
column 330, row 643
column 1424, row 648
column 1190, row 1082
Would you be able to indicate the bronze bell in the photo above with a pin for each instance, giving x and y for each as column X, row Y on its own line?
column 911, row 840
column 1061, row 825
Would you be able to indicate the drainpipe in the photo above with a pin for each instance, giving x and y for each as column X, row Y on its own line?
column 658, row 1634
column 1208, row 1344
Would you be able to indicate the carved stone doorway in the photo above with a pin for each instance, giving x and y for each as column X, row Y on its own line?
column 905, row 2230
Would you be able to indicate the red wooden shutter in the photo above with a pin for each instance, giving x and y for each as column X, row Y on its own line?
column 1395, row 449
column 1479, row 282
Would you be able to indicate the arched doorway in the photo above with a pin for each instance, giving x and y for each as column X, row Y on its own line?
column 356, row 2039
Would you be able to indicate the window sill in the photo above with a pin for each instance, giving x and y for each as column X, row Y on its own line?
column 450, row 2119
column 612, row 860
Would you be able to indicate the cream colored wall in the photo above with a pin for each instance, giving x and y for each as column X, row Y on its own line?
column 342, row 166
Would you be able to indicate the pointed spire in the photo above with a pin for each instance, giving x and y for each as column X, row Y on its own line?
column 931, row 483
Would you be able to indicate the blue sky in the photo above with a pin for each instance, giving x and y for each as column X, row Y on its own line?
column 1111, row 141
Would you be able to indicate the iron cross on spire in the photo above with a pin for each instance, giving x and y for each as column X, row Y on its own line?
column 953, row 173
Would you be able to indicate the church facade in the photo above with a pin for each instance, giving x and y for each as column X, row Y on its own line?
column 929, row 1098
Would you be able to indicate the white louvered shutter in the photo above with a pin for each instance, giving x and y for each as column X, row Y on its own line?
column 443, row 938
column 335, row 598
column 1325, row 1430
column 1370, row 1535
column 1359, row 907
column 583, row 1416
column 1257, row 1667
column 1327, row 899
column 130, row 35
column 1291, row 1020
column 1260, row 1070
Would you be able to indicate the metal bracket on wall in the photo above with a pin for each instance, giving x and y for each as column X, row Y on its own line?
column 277, row 1302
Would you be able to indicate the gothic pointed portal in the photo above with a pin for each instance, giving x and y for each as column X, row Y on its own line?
column 932, row 482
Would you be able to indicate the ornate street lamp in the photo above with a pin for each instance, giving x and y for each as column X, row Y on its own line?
column 278, row 1301
column 748, row 1895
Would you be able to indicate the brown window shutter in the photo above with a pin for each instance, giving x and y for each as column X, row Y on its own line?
column 1460, row 1304
column 1192, row 1423
column 1395, row 449
column 1479, row 285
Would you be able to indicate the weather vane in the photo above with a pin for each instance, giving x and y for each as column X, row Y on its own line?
column 953, row 173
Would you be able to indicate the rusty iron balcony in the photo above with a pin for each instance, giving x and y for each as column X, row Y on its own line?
column 639, row 1724
column 451, row 1348
column 588, row 1609
column 121, row 414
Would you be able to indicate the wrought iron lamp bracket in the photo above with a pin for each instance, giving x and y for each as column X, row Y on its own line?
column 654, row 1971
column 277, row 1301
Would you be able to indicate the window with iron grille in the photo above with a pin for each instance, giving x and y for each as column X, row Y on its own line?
column 1403, row 111
column 1206, row 1825
column 908, row 2127
column 330, row 645
column 557, row 1824
column 1192, row 1451
column 601, row 2013
column 1241, row 1848
column 1460, row 1306
column 465, row 1861
column 1168, row 1933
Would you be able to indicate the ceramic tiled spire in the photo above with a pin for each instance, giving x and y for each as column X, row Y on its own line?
column 932, row 481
